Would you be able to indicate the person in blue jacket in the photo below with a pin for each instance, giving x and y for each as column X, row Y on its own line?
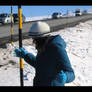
column 52, row 65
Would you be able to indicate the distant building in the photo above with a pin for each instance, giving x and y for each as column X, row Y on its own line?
column 87, row 11
column 70, row 14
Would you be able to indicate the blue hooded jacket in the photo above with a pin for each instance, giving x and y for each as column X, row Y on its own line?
column 50, row 64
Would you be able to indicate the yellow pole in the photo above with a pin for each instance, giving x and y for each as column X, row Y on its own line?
column 20, row 44
column 11, row 27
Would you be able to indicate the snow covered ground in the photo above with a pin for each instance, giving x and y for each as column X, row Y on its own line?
column 46, row 17
column 79, row 49
column 37, row 18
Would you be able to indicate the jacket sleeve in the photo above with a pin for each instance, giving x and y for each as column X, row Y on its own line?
column 30, row 59
column 64, row 63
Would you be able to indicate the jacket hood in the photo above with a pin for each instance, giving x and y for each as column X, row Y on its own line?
column 58, row 40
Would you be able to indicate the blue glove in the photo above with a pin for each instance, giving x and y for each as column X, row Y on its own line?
column 20, row 52
column 60, row 79
column 63, row 77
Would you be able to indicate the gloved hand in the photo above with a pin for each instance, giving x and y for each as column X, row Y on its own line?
column 60, row 79
column 20, row 52
column 63, row 77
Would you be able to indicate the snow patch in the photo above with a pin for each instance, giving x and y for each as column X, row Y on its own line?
column 79, row 50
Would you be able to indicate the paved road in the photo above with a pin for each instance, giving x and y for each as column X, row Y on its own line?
column 55, row 25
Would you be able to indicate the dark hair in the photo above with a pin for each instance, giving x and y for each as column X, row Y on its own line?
column 41, row 42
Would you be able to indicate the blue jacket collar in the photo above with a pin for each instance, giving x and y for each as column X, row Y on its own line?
column 58, row 40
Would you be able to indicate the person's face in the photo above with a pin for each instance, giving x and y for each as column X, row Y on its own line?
column 39, row 42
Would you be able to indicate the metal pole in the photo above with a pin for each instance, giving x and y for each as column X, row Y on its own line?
column 2, row 10
column 67, row 17
column 20, row 44
column 11, row 27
